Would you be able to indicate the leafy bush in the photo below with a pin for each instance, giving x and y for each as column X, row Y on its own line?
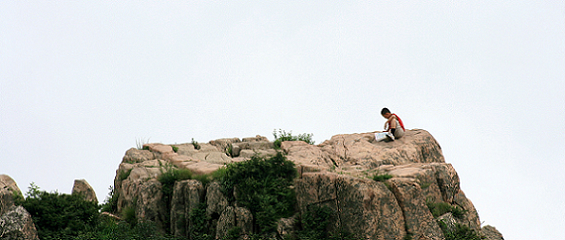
column 315, row 222
column 263, row 186
column 169, row 175
column 56, row 214
column 175, row 148
column 195, row 144
column 382, row 177
column 438, row 209
column 461, row 232
column 282, row 136
column 124, row 174
column 111, row 229
column 199, row 229
column 111, row 202
column 128, row 214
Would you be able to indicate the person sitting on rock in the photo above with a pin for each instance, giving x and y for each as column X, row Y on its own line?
column 392, row 129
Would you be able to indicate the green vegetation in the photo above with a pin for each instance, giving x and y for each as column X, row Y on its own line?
column 440, row 208
column 175, row 148
column 195, row 144
column 263, row 186
column 140, row 142
column 425, row 185
column 461, row 232
column 70, row 217
column 111, row 202
column 315, row 222
column 282, row 136
column 169, row 175
column 124, row 174
column 200, row 229
column 382, row 177
column 229, row 150
column 108, row 228
column 128, row 214
column 56, row 214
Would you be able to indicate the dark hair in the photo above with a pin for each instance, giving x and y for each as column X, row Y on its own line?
column 385, row 110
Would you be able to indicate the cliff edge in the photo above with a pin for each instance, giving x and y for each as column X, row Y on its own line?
column 376, row 190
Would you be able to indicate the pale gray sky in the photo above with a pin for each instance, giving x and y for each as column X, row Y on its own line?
column 81, row 81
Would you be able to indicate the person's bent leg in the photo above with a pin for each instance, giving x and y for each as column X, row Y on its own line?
column 398, row 133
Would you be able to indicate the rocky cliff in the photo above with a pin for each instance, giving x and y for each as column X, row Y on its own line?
column 338, row 174
column 15, row 222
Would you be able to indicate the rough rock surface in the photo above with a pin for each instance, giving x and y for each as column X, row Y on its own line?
column 337, row 173
column 364, row 207
column 8, row 188
column 15, row 221
column 82, row 187
column 491, row 233
column 187, row 195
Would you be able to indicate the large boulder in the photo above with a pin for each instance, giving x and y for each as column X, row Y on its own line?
column 81, row 187
column 363, row 207
column 359, row 154
column 491, row 233
column 225, row 222
column 187, row 195
column 16, row 224
column 8, row 191
column 215, row 200
column 6, row 182
column 419, row 222
column 150, row 204
column 435, row 183
column 234, row 217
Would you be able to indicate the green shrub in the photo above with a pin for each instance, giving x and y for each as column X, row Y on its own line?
column 124, row 174
column 440, row 208
column 128, row 214
column 169, row 175
column 219, row 174
column 110, row 229
column 56, row 214
column 199, row 228
column 203, row 178
column 233, row 234
column 140, row 142
column 229, row 150
column 382, row 177
column 461, row 232
column 282, row 136
column 111, row 202
column 195, row 144
column 263, row 186
column 315, row 222
column 175, row 148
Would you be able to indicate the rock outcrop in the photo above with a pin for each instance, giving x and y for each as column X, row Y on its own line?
column 81, row 187
column 337, row 174
column 15, row 221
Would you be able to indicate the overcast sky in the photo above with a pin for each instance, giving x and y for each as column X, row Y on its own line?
column 80, row 82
